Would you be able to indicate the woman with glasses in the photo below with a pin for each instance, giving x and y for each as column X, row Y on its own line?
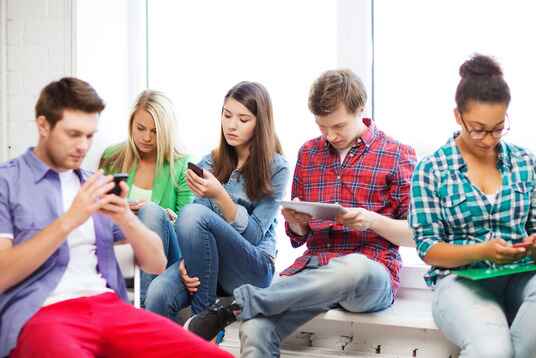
column 471, row 202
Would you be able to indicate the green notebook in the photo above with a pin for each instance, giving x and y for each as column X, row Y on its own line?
column 483, row 273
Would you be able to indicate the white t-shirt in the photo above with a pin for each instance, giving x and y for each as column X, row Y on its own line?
column 343, row 153
column 138, row 194
column 492, row 198
column 81, row 277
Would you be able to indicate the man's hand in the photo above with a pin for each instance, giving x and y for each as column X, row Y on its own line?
column 498, row 251
column 137, row 205
column 191, row 283
column 358, row 219
column 91, row 198
column 171, row 215
column 117, row 207
column 298, row 222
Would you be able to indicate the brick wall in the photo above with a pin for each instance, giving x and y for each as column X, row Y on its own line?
column 37, row 47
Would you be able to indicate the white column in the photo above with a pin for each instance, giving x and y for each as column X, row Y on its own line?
column 354, row 41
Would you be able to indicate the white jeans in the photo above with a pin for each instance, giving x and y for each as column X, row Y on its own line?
column 492, row 318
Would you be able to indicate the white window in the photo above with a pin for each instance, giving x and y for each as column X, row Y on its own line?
column 418, row 49
column 110, row 55
column 199, row 50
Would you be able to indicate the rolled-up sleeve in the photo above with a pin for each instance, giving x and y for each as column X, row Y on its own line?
column 183, row 193
column 241, row 220
column 6, row 220
column 400, row 186
column 425, row 217
column 254, row 227
column 117, row 233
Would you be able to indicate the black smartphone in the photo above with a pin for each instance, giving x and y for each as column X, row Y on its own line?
column 197, row 170
column 119, row 177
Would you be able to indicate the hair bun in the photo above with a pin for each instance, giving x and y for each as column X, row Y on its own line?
column 480, row 65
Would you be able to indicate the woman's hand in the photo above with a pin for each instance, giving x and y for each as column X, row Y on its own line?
column 531, row 239
column 206, row 187
column 117, row 207
column 171, row 215
column 498, row 251
column 191, row 283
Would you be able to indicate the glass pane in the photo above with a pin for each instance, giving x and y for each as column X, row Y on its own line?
column 418, row 49
column 199, row 50
column 102, row 60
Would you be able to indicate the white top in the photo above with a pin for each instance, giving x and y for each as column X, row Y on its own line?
column 81, row 277
column 343, row 153
column 140, row 194
column 491, row 198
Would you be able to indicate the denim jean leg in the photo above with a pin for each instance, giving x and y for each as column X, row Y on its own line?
column 216, row 253
column 340, row 281
column 166, row 294
column 469, row 315
column 199, row 251
column 156, row 219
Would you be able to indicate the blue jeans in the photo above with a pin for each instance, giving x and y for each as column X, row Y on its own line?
column 492, row 318
column 156, row 219
column 353, row 282
column 214, row 252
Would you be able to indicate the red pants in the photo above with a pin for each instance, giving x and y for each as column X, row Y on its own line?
column 105, row 326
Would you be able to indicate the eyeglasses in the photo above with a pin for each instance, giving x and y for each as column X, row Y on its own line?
column 481, row 133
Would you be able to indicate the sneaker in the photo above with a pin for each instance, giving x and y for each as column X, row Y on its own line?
column 207, row 324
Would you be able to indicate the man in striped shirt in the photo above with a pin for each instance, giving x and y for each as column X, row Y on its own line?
column 350, row 262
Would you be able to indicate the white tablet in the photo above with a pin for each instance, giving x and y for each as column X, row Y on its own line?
column 317, row 210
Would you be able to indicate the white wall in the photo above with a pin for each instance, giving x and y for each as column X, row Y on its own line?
column 112, row 58
column 354, row 41
column 36, row 42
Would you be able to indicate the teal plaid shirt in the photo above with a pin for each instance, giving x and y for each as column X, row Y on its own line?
column 446, row 207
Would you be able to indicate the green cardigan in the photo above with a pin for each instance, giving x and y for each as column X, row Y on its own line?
column 164, row 193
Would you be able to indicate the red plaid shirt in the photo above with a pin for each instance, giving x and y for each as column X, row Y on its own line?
column 375, row 175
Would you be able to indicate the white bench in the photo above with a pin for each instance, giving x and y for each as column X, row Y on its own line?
column 406, row 329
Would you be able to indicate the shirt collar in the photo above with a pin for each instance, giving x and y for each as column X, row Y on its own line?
column 40, row 169
column 457, row 162
column 367, row 138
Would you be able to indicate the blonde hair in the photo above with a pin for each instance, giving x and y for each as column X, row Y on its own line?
column 160, row 108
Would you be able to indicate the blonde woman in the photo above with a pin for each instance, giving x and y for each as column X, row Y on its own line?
column 156, row 181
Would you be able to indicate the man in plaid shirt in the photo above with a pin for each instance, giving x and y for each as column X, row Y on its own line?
column 351, row 262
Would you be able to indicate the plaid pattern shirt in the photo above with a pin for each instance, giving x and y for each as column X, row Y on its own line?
column 446, row 207
column 374, row 175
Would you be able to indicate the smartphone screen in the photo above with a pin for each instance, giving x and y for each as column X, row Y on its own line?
column 117, row 179
column 197, row 170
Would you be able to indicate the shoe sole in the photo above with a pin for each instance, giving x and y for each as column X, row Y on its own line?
column 187, row 323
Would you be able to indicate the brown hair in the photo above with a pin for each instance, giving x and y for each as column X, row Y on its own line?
column 257, row 170
column 335, row 87
column 67, row 93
